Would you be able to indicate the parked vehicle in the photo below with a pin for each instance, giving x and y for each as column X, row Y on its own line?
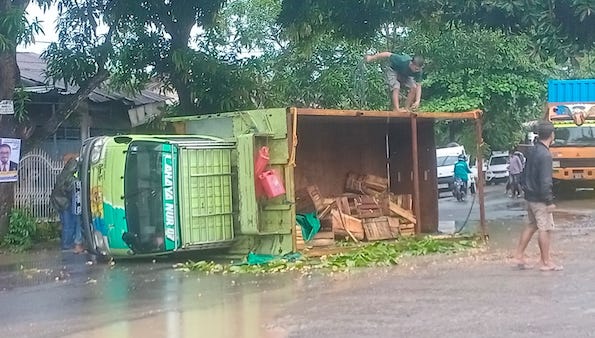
column 150, row 195
column 496, row 170
column 571, row 108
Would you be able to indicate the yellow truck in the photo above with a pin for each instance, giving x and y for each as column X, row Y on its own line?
column 571, row 108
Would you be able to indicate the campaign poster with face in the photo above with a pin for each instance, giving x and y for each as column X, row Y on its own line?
column 10, row 155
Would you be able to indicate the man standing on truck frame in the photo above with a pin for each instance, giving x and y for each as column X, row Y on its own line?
column 537, row 183
column 405, row 70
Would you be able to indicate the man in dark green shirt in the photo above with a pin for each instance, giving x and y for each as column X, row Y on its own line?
column 405, row 70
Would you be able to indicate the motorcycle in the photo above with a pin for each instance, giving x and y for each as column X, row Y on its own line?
column 459, row 191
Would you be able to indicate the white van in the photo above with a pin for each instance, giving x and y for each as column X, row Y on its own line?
column 445, row 165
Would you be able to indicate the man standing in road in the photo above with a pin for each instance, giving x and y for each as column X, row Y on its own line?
column 537, row 184
column 61, row 200
column 405, row 70
column 515, row 169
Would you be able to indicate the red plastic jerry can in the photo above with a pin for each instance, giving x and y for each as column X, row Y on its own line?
column 271, row 183
column 262, row 160
column 260, row 164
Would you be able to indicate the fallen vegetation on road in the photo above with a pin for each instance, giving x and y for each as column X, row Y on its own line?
column 384, row 253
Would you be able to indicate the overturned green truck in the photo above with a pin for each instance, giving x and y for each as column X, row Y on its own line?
column 149, row 195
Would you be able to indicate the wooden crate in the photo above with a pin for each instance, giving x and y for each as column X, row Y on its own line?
column 366, row 184
column 377, row 229
column 299, row 238
column 355, row 183
column 322, row 238
column 398, row 211
column 343, row 205
column 404, row 201
column 395, row 226
column 321, row 242
column 407, row 229
column 363, row 206
column 345, row 224
column 376, row 183
column 324, row 235
column 309, row 200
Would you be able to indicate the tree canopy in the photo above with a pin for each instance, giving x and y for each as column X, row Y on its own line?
column 562, row 28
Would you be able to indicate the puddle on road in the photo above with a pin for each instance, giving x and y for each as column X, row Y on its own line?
column 180, row 305
column 35, row 268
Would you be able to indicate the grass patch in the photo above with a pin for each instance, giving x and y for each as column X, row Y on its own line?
column 384, row 253
column 24, row 231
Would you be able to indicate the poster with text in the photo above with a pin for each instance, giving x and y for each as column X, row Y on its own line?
column 10, row 155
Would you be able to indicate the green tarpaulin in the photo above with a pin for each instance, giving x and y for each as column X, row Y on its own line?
column 310, row 225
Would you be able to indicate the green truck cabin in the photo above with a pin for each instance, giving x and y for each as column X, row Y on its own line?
column 150, row 195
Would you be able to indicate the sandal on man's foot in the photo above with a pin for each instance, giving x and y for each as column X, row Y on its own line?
column 78, row 249
column 552, row 267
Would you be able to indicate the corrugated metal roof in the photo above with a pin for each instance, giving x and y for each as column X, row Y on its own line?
column 34, row 79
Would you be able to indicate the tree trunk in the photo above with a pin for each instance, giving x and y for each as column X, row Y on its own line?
column 187, row 106
column 9, row 77
column 180, row 34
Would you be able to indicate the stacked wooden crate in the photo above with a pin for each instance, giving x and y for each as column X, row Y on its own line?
column 367, row 211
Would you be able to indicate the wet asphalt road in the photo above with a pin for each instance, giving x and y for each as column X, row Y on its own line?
column 476, row 294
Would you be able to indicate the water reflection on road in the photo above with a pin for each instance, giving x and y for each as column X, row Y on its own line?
column 174, row 304
column 70, row 298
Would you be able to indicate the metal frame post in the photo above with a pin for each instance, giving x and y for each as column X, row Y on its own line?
column 415, row 162
column 481, row 179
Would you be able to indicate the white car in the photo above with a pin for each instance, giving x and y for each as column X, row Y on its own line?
column 496, row 169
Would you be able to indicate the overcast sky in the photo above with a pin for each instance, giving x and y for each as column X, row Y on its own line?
column 48, row 20
column 48, row 23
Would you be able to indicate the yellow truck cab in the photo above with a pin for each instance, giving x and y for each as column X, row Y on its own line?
column 571, row 108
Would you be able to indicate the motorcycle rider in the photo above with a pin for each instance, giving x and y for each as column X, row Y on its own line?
column 462, row 171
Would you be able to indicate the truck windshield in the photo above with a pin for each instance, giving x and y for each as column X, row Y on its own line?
column 143, row 198
column 442, row 161
column 582, row 136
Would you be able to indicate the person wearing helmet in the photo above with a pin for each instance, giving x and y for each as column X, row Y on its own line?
column 462, row 170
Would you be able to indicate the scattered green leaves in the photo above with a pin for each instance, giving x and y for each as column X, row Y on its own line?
column 367, row 255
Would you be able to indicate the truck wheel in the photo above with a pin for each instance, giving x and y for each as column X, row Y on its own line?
column 103, row 259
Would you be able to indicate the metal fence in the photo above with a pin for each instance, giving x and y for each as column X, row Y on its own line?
column 37, row 176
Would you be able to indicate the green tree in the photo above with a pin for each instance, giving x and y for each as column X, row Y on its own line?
column 474, row 68
column 563, row 28
column 15, row 29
